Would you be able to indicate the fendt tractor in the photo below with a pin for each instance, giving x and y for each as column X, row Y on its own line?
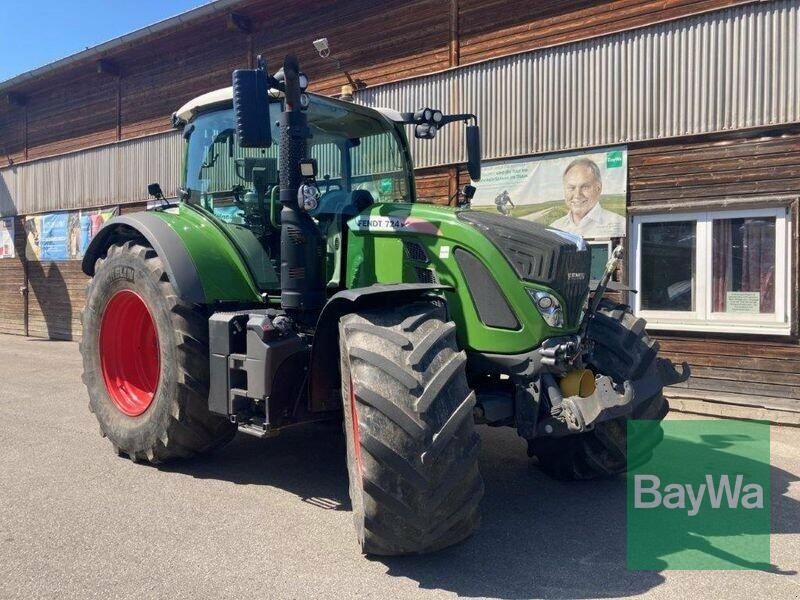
column 299, row 281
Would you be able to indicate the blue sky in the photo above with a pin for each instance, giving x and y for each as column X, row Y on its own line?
column 36, row 32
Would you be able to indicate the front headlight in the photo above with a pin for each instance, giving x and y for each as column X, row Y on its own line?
column 548, row 306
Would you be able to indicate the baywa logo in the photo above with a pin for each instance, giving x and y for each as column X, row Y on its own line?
column 716, row 492
column 698, row 495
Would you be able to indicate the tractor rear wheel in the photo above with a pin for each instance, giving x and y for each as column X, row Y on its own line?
column 623, row 351
column 411, row 442
column 145, row 360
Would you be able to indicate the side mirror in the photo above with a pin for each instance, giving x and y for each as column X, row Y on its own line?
column 468, row 192
column 251, row 108
column 154, row 190
column 474, row 152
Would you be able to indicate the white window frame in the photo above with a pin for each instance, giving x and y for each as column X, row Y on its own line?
column 703, row 318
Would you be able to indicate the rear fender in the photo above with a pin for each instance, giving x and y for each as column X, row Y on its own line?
column 200, row 261
column 324, row 381
column 179, row 265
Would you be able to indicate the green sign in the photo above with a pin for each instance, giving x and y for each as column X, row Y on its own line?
column 702, row 500
column 613, row 159
column 386, row 186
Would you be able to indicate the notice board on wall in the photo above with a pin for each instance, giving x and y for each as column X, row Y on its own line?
column 63, row 235
column 7, row 237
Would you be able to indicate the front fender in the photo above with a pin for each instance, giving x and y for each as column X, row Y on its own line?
column 323, row 371
column 200, row 260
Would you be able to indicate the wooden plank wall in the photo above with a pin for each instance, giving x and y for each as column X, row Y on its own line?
column 56, row 292
column 12, row 279
column 76, row 107
column 746, row 369
column 434, row 185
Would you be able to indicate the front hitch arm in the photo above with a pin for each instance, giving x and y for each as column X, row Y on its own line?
column 576, row 414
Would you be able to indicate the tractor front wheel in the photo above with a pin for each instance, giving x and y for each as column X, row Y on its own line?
column 145, row 360
column 624, row 352
column 411, row 441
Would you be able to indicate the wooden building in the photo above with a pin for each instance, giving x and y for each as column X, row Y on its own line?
column 703, row 95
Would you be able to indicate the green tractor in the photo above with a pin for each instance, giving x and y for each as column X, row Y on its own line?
column 298, row 281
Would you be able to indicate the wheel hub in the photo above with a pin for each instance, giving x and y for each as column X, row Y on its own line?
column 129, row 353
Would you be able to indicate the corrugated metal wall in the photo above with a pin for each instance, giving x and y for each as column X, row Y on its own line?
column 8, row 191
column 730, row 69
column 113, row 174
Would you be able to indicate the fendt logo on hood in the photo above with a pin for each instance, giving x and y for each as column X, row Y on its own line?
column 392, row 224
column 576, row 276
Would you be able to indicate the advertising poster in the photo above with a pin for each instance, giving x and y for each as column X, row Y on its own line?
column 53, row 236
column 578, row 192
column 7, row 237
column 63, row 235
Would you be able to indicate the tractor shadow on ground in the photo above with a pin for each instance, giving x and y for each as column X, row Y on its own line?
column 307, row 461
column 542, row 538
column 539, row 537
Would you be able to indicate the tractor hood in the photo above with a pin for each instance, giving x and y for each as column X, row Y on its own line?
column 539, row 254
column 495, row 265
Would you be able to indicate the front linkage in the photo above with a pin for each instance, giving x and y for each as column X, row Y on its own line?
column 568, row 386
column 578, row 413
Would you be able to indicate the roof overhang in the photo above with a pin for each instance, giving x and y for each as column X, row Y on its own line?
column 211, row 9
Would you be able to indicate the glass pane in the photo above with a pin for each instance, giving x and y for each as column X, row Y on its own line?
column 744, row 265
column 668, row 265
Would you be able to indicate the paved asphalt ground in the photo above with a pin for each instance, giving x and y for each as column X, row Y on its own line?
column 271, row 519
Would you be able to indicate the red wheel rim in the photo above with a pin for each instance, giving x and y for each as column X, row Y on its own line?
column 129, row 355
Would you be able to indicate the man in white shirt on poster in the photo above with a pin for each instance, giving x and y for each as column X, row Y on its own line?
column 582, row 188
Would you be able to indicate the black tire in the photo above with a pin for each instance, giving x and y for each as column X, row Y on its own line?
column 623, row 351
column 412, row 449
column 177, row 422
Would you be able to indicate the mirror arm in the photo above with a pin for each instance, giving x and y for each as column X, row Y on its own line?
column 447, row 119
column 408, row 119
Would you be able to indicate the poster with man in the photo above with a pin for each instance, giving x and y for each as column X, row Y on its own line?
column 578, row 192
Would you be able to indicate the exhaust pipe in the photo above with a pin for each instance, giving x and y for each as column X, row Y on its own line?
column 302, row 244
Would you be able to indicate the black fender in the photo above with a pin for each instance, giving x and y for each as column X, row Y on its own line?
column 160, row 236
column 323, row 377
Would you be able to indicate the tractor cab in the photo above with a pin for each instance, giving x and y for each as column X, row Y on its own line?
column 361, row 158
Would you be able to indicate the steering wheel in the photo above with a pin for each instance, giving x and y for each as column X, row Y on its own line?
column 331, row 203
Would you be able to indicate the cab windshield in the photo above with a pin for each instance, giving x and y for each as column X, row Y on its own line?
column 354, row 151
column 361, row 159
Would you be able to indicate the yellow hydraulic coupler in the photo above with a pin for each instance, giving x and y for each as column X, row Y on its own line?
column 579, row 382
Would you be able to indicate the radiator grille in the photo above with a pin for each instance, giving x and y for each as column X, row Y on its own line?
column 574, row 289
column 414, row 251
column 426, row 275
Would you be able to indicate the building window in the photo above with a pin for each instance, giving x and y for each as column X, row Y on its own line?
column 726, row 271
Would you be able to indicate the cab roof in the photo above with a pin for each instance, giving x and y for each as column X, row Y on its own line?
column 225, row 96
